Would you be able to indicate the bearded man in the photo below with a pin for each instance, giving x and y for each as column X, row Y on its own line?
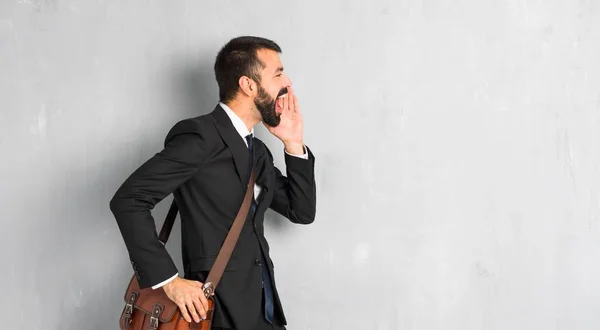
column 206, row 163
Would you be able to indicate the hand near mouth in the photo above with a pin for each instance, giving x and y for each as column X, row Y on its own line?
column 289, row 130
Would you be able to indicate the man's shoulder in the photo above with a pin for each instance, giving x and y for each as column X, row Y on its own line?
column 200, row 126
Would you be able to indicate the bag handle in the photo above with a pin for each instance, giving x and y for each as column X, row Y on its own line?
column 214, row 276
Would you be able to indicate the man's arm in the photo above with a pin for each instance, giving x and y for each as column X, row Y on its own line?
column 137, row 196
column 295, row 194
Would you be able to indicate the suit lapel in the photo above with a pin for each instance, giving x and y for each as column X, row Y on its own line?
column 234, row 143
column 263, row 179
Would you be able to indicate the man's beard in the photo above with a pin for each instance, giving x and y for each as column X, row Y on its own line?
column 266, row 106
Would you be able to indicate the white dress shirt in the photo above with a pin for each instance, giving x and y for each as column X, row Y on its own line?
column 242, row 130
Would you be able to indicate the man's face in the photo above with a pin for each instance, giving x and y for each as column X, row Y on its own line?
column 274, row 83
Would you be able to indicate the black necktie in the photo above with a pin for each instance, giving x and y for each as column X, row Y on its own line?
column 269, row 307
column 250, row 163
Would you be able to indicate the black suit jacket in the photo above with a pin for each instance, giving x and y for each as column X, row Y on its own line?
column 204, row 164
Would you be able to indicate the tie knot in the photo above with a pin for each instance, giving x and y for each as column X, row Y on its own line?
column 249, row 140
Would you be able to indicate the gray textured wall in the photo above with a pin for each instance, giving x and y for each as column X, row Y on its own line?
column 457, row 155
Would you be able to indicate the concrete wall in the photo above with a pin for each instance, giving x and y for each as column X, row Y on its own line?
column 457, row 145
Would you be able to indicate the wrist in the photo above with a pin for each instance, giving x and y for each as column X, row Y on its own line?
column 169, row 284
column 294, row 148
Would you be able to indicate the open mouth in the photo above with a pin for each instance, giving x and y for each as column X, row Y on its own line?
column 282, row 92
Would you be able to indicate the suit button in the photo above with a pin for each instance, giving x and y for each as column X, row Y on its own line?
column 257, row 262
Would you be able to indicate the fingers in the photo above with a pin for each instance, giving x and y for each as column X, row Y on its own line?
column 191, row 301
column 199, row 309
column 184, row 312
column 296, row 105
column 197, row 305
column 291, row 99
column 192, row 308
column 204, row 302
column 286, row 102
column 279, row 105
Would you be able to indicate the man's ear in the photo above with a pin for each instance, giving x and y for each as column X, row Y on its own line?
column 247, row 86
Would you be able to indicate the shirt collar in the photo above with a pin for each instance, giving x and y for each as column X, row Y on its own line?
column 237, row 122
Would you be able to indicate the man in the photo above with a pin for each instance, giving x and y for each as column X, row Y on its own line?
column 205, row 163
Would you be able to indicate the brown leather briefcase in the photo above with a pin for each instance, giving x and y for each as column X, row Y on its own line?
column 148, row 309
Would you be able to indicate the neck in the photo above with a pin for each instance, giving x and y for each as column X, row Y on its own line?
column 246, row 112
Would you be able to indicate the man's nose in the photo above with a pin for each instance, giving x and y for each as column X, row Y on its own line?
column 288, row 81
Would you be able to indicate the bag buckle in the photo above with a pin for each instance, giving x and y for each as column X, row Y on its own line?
column 209, row 289
column 129, row 308
column 156, row 310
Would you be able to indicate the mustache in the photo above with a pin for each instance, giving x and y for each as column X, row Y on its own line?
column 282, row 92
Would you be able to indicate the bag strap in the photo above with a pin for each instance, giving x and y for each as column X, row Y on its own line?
column 165, row 231
column 214, row 276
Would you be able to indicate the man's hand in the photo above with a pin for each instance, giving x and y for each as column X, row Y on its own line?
column 189, row 296
column 289, row 130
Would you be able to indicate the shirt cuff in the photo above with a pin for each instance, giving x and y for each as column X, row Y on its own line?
column 164, row 282
column 305, row 155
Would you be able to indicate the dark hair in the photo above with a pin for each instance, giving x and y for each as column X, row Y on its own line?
column 239, row 58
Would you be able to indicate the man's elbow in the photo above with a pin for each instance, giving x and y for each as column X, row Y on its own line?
column 308, row 214
column 129, row 203
column 116, row 204
column 306, row 218
column 120, row 203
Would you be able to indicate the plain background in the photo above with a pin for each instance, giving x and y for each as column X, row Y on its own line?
column 456, row 142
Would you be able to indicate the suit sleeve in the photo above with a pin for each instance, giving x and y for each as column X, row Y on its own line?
column 295, row 194
column 132, row 203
